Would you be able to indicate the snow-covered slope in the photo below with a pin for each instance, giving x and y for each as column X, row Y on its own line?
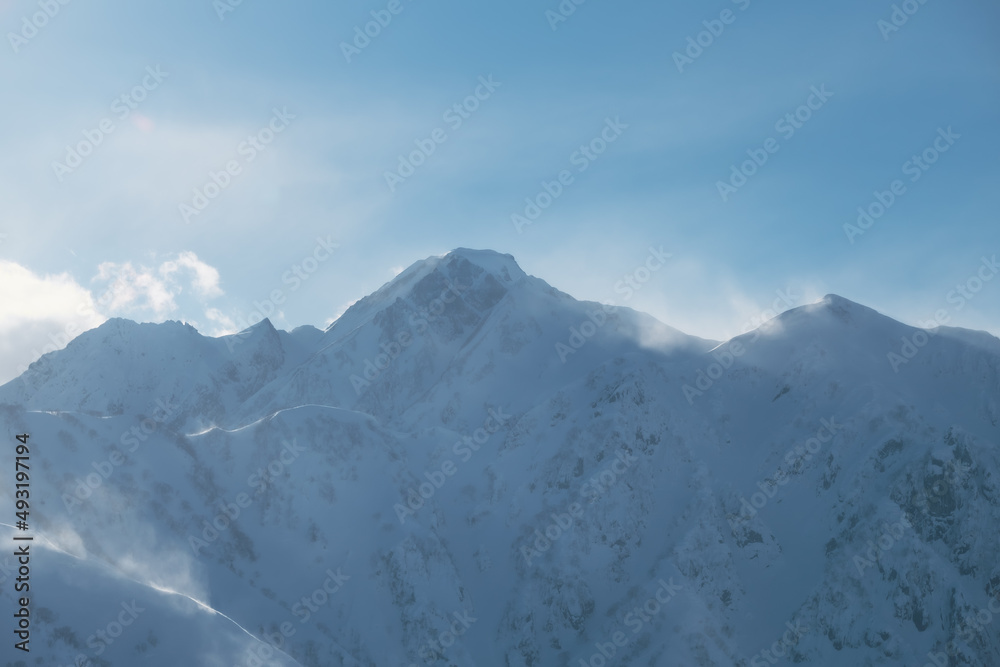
column 470, row 467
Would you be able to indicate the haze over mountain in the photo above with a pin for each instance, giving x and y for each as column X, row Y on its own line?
column 470, row 467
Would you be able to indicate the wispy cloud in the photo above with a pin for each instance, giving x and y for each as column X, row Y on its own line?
column 138, row 290
column 41, row 313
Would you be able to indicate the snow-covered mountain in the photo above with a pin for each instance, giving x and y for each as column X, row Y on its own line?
column 470, row 467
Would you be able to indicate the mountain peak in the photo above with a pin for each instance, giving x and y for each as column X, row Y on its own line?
column 847, row 311
column 422, row 281
column 500, row 265
column 264, row 325
column 837, row 300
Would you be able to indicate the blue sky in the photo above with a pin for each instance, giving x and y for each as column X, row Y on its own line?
column 116, row 219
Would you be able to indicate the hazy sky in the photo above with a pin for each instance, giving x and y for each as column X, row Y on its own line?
column 119, row 117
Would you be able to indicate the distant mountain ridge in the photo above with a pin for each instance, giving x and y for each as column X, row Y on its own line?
column 790, row 494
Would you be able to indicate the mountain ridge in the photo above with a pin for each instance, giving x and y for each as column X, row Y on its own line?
column 476, row 471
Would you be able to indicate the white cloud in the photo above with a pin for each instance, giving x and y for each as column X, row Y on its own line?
column 26, row 296
column 39, row 314
column 137, row 291
column 206, row 278
column 224, row 325
column 131, row 288
column 43, row 313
